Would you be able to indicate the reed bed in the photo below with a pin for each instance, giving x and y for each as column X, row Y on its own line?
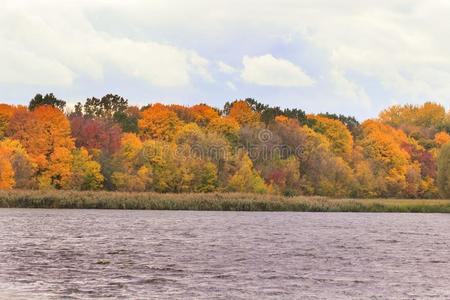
column 212, row 201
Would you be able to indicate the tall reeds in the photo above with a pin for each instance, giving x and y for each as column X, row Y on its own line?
column 212, row 201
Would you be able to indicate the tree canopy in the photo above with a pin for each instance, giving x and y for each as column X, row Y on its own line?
column 247, row 146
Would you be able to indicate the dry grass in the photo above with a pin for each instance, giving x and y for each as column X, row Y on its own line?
column 213, row 201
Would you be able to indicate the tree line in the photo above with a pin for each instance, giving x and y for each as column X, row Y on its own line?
column 247, row 146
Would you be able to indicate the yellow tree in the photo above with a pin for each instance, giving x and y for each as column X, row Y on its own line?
column 427, row 115
column 130, row 174
column 418, row 121
column 430, row 115
column 227, row 127
column 337, row 134
column 322, row 172
column 158, row 122
column 86, row 173
column 59, row 173
column 246, row 179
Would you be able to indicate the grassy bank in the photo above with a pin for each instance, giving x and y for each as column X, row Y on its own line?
column 214, row 201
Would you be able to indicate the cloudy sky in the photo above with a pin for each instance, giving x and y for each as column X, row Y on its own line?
column 345, row 56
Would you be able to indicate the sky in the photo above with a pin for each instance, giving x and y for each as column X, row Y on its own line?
column 341, row 56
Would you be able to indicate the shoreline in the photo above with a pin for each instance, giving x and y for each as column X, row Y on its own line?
column 212, row 202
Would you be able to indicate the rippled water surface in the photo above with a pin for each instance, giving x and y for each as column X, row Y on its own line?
column 229, row 255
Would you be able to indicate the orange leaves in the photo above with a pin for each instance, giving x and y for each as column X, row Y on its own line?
column 177, row 148
column 441, row 138
column 243, row 113
column 158, row 122
column 383, row 144
column 19, row 160
column 6, row 110
column 6, row 170
column 384, row 148
column 282, row 119
column 6, row 113
column 203, row 114
column 41, row 132
column 45, row 134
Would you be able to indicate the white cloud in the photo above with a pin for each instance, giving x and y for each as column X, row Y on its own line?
column 395, row 43
column 349, row 89
column 48, row 44
column 231, row 85
column 24, row 67
column 271, row 71
column 225, row 68
column 398, row 47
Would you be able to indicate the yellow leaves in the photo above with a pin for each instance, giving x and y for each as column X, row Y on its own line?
column 130, row 145
column 427, row 115
column 86, row 173
column 58, row 174
column 246, row 179
column 158, row 122
column 336, row 132
column 228, row 127
column 195, row 149
column 190, row 133
column 71, row 170
column 128, row 182
column 384, row 147
column 158, row 153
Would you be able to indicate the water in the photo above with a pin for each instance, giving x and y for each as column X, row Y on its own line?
column 79, row 254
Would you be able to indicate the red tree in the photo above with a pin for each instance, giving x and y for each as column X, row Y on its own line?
column 96, row 134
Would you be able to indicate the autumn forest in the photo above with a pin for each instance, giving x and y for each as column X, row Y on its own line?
column 246, row 146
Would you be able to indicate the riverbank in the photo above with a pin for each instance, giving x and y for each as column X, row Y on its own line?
column 213, row 201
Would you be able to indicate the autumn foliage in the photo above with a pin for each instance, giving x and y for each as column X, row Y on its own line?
column 246, row 147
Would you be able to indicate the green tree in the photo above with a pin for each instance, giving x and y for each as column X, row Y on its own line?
column 106, row 107
column 48, row 99
column 443, row 172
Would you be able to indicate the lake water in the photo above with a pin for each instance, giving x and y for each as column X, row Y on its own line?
column 79, row 254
